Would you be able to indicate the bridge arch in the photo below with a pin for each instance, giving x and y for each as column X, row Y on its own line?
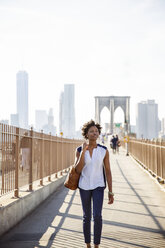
column 112, row 103
column 119, row 115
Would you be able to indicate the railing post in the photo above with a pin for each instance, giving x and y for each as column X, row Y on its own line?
column 163, row 158
column 31, row 161
column 56, row 158
column 69, row 152
column 50, row 157
column 61, row 156
column 42, row 159
column 2, row 168
column 58, row 155
column 161, row 165
column 156, row 159
column 16, row 192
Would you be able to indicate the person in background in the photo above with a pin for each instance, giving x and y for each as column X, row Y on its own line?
column 117, row 143
column 113, row 141
column 91, row 161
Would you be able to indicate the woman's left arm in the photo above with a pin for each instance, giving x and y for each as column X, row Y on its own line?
column 108, row 177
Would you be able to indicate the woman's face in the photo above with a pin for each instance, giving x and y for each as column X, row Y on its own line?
column 93, row 133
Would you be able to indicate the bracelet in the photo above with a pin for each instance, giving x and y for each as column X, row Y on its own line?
column 110, row 193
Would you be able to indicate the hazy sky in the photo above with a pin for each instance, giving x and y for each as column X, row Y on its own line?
column 104, row 47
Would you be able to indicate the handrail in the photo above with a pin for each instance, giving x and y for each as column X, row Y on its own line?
column 148, row 144
column 27, row 156
column 151, row 154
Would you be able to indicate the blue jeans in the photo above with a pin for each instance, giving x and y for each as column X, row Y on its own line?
column 97, row 195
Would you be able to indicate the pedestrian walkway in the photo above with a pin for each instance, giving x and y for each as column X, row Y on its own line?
column 136, row 219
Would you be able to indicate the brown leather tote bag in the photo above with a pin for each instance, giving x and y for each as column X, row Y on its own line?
column 72, row 179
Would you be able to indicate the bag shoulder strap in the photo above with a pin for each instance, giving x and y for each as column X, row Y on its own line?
column 79, row 149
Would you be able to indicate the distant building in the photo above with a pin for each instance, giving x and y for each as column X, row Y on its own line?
column 67, row 111
column 4, row 122
column 147, row 122
column 14, row 121
column 163, row 126
column 133, row 128
column 41, row 119
column 61, row 113
column 159, row 125
column 162, row 129
column 79, row 134
column 22, row 98
column 49, row 127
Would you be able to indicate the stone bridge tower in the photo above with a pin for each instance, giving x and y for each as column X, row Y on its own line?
column 112, row 103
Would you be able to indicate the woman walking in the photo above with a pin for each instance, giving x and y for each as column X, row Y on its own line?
column 91, row 160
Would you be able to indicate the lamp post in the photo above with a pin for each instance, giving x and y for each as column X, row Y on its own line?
column 126, row 137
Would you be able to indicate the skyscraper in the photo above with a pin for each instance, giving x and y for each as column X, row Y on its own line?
column 22, row 98
column 49, row 127
column 147, row 120
column 67, row 111
column 163, row 126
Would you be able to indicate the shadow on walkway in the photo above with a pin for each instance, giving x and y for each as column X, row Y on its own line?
column 161, row 230
column 43, row 224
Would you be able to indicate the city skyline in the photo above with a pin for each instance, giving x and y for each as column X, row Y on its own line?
column 103, row 47
column 22, row 78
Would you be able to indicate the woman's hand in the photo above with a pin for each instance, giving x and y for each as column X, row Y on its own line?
column 79, row 161
column 111, row 199
column 84, row 146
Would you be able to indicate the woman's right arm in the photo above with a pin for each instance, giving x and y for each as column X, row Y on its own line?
column 80, row 158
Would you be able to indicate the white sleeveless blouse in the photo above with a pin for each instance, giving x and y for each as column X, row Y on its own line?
column 92, row 175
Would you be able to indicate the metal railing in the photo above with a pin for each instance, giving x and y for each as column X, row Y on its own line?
column 27, row 156
column 151, row 154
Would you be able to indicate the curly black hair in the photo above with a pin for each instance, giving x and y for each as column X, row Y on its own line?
column 89, row 124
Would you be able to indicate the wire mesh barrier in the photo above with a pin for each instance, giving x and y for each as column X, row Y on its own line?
column 27, row 156
column 151, row 154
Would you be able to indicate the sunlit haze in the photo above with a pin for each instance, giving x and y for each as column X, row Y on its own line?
column 104, row 47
